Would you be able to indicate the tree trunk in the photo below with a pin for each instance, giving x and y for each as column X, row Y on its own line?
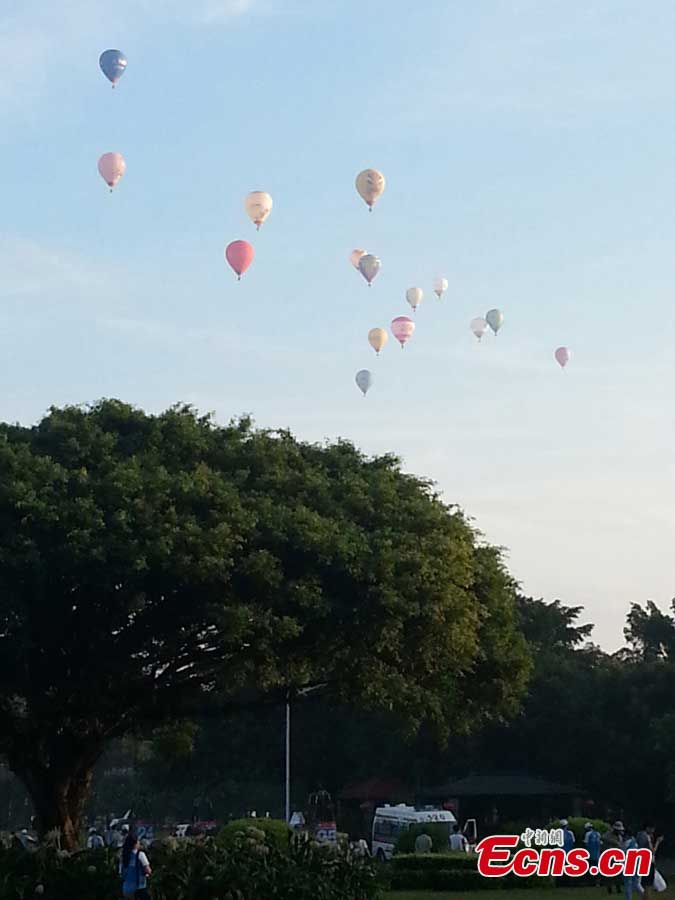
column 59, row 798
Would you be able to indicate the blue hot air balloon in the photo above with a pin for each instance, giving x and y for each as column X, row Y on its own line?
column 113, row 64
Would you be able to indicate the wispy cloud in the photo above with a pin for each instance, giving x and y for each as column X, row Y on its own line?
column 35, row 271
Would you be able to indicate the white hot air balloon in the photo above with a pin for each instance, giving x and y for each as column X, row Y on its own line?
column 364, row 380
column 258, row 206
column 440, row 286
column 414, row 296
column 479, row 326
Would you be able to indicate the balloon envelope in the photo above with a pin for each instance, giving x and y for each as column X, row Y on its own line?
column 364, row 379
column 402, row 328
column 414, row 296
column 563, row 356
column 258, row 206
column 239, row 255
column 355, row 256
column 377, row 338
column 111, row 167
column 113, row 64
column 370, row 184
column 495, row 319
column 440, row 286
column 369, row 266
column 478, row 326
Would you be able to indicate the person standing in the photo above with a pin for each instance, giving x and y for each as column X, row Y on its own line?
column 592, row 844
column 458, row 840
column 95, row 841
column 568, row 836
column 631, row 883
column 646, row 840
column 613, row 840
column 423, row 843
column 134, row 870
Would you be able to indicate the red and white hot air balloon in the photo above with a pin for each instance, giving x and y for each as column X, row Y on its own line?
column 239, row 254
column 402, row 328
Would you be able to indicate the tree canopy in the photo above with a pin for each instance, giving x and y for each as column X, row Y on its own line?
column 151, row 563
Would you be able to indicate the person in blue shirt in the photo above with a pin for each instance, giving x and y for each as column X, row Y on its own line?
column 592, row 844
column 568, row 836
column 134, row 870
column 631, row 883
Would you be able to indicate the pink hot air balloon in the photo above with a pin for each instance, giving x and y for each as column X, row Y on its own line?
column 563, row 356
column 239, row 255
column 402, row 328
column 111, row 167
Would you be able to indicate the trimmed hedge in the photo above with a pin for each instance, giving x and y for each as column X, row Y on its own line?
column 414, row 862
column 451, row 872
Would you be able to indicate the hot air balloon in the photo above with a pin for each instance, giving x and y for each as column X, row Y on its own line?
column 440, row 286
column 414, row 296
column 258, row 206
column 239, row 255
column 113, row 64
column 369, row 266
column 377, row 338
column 402, row 328
column 370, row 184
column 563, row 356
column 364, row 379
column 478, row 326
column 495, row 319
column 355, row 256
column 111, row 167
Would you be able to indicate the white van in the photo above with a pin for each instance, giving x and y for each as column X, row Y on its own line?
column 390, row 821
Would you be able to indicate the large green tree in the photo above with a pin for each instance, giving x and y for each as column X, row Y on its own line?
column 151, row 563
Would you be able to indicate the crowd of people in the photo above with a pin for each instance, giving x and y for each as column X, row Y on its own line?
column 620, row 837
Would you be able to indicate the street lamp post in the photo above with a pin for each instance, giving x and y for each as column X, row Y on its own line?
column 302, row 693
column 288, row 756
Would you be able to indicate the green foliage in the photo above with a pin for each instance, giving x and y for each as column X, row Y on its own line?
column 148, row 563
column 452, row 872
column 435, row 861
column 439, row 880
column 275, row 830
column 439, row 833
column 253, row 867
column 577, row 825
column 79, row 877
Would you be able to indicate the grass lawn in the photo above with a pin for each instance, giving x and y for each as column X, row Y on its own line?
column 585, row 893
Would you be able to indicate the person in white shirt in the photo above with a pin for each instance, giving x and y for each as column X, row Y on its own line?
column 458, row 841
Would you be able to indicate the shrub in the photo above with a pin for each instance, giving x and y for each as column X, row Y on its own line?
column 455, row 861
column 437, row 831
column 252, row 867
column 577, row 826
column 276, row 830
column 81, row 876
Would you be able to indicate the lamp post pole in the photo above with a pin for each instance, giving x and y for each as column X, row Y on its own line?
column 288, row 756
column 301, row 693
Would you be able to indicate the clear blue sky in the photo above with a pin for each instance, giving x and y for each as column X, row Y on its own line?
column 529, row 153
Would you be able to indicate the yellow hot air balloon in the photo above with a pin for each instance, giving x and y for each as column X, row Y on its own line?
column 370, row 184
column 258, row 206
column 355, row 256
column 377, row 338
